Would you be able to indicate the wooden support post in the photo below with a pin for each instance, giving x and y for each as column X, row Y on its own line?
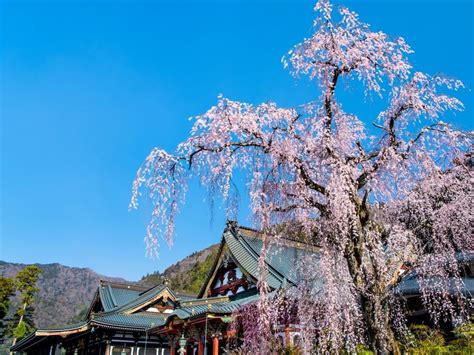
column 200, row 347
column 172, row 350
column 215, row 346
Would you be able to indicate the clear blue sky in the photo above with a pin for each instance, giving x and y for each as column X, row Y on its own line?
column 89, row 88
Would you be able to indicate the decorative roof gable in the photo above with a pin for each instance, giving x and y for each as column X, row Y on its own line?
column 111, row 295
column 243, row 247
column 148, row 298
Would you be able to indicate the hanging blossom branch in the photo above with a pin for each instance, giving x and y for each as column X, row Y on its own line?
column 165, row 179
column 316, row 168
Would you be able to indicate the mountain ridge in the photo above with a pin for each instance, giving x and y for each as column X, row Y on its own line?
column 65, row 292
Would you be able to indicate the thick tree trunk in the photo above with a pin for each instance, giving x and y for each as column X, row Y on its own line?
column 379, row 333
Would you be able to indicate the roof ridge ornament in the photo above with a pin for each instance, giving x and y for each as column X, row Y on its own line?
column 230, row 226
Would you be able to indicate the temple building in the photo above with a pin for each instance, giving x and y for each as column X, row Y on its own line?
column 134, row 320
column 129, row 319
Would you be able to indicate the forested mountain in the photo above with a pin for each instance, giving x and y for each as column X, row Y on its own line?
column 65, row 292
column 186, row 275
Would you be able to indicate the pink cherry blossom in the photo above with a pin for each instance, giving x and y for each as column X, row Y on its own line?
column 371, row 204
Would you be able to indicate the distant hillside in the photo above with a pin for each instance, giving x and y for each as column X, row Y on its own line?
column 64, row 293
column 186, row 275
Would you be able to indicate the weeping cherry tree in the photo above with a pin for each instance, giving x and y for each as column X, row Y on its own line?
column 345, row 187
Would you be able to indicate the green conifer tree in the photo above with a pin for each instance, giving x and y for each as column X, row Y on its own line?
column 25, row 283
column 7, row 289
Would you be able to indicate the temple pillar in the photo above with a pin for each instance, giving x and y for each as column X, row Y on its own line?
column 215, row 346
column 200, row 347
column 172, row 349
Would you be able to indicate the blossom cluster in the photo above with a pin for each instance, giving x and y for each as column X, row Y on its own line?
column 372, row 206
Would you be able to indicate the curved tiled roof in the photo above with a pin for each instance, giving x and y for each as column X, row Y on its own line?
column 137, row 321
column 216, row 305
column 66, row 328
column 144, row 298
column 409, row 285
column 281, row 259
column 245, row 246
column 40, row 334
column 113, row 295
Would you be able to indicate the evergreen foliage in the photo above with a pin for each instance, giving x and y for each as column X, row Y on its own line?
column 25, row 283
column 6, row 291
column 81, row 315
column 424, row 340
column 190, row 279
